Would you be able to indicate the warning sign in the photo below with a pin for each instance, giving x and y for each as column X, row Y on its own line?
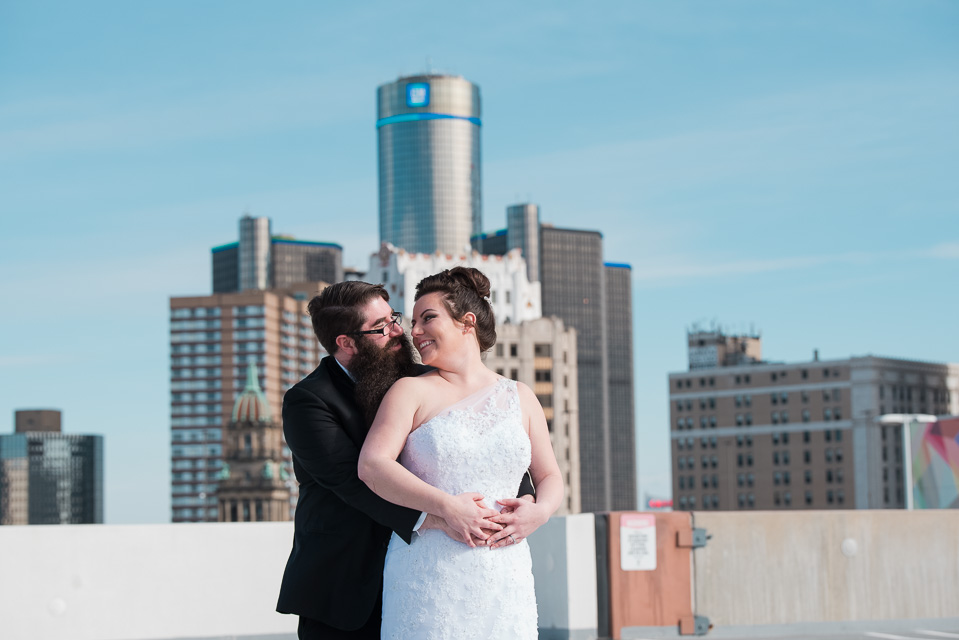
column 637, row 542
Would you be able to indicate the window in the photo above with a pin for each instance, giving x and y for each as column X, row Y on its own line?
column 809, row 497
column 806, row 456
column 805, row 417
column 499, row 350
column 807, row 476
column 739, row 401
column 513, row 350
column 783, row 397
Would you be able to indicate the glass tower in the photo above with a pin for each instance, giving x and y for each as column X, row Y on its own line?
column 429, row 155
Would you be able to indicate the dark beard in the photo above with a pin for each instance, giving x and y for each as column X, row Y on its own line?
column 375, row 370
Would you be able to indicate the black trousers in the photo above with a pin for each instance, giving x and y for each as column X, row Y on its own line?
column 310, row 629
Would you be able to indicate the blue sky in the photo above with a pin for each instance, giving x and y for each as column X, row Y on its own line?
column 789, row 166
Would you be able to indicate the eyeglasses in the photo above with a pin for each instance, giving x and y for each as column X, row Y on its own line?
column 384, row 330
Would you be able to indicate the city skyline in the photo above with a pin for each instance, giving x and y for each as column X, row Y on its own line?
column 787, row 167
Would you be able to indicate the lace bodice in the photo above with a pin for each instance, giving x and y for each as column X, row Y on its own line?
column 479, row 444
column 437, row 588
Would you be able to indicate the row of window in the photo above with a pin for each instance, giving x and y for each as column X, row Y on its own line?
column 181, row 489
column 191, row 514
column 196, row 450
column 196, row 348
column 194, row 325
column 195, row 336
column 185, row 409
column 748, row 500
column 774, row 376
column 197, row 435
column 196, row 421
column 195, row 312
column 189, row 361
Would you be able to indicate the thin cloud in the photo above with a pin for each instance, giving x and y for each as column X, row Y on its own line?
column 31, row 360
column 660, row 271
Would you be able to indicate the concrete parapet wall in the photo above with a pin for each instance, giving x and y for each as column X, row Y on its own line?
column 105, row 582
column 782, row 568
column 564, row 568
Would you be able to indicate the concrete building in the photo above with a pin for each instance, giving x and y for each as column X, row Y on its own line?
column 253, row 483
column 49, row 477
column 213, row 339
column 514, row 298
column 748, row 434
column 541, row 353
column 428, row 133
column 574, row 288
column 260, row 260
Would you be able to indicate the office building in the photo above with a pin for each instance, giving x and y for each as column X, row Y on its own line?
column 619, row 382
column 748, row 434
column 49, row 477
column 260, row 260
column 541, row 353
column 594, row 298
column 253, row 482
column 213, row 339
column 428, row 133
column 513, row 297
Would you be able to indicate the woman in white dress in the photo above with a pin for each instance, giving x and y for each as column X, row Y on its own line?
column 449, row 443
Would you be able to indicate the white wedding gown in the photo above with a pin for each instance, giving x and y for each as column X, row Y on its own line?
column 439, row 589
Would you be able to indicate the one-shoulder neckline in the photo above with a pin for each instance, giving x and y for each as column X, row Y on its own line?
column 453, row 407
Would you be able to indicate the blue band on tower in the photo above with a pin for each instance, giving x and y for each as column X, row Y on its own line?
column 414, row 117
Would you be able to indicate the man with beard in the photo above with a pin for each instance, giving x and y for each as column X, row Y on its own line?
column 334, row 577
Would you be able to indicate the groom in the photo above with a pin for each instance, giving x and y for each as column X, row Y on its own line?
column 334, row 577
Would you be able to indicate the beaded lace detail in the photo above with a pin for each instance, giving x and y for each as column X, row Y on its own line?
column 437, row 588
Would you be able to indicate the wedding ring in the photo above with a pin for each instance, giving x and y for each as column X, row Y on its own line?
column 512, row 538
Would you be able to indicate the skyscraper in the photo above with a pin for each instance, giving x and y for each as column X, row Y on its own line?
column 594, row 298
column 50, row 477
column 428, row 130
column 213, row 339
column 261, row 260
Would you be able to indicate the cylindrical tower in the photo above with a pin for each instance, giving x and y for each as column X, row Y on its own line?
column 429, row 151
column 254, row 253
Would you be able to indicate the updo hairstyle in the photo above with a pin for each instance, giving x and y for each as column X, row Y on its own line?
column 464, row 290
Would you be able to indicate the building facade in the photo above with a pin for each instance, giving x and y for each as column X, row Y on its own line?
column 763, row 435
column 541, row 353
column 253, row 482
column 213, row 339
column 49, row 477
column 594, row 298
column 513, row 297
column 619, row 380
column 428, row 133
column 260, row 260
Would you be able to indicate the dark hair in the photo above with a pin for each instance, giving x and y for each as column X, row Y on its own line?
column 336, row 310
column 465, row 290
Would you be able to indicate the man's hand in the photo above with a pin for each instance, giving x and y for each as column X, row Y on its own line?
column 520, row 517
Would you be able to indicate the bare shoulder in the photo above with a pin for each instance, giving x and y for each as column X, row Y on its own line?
column 527, row 399
column 414, row 386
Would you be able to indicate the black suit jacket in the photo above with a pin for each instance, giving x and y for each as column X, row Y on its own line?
column 341, row 528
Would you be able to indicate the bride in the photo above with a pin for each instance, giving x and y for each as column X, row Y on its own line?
column 444, row 443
